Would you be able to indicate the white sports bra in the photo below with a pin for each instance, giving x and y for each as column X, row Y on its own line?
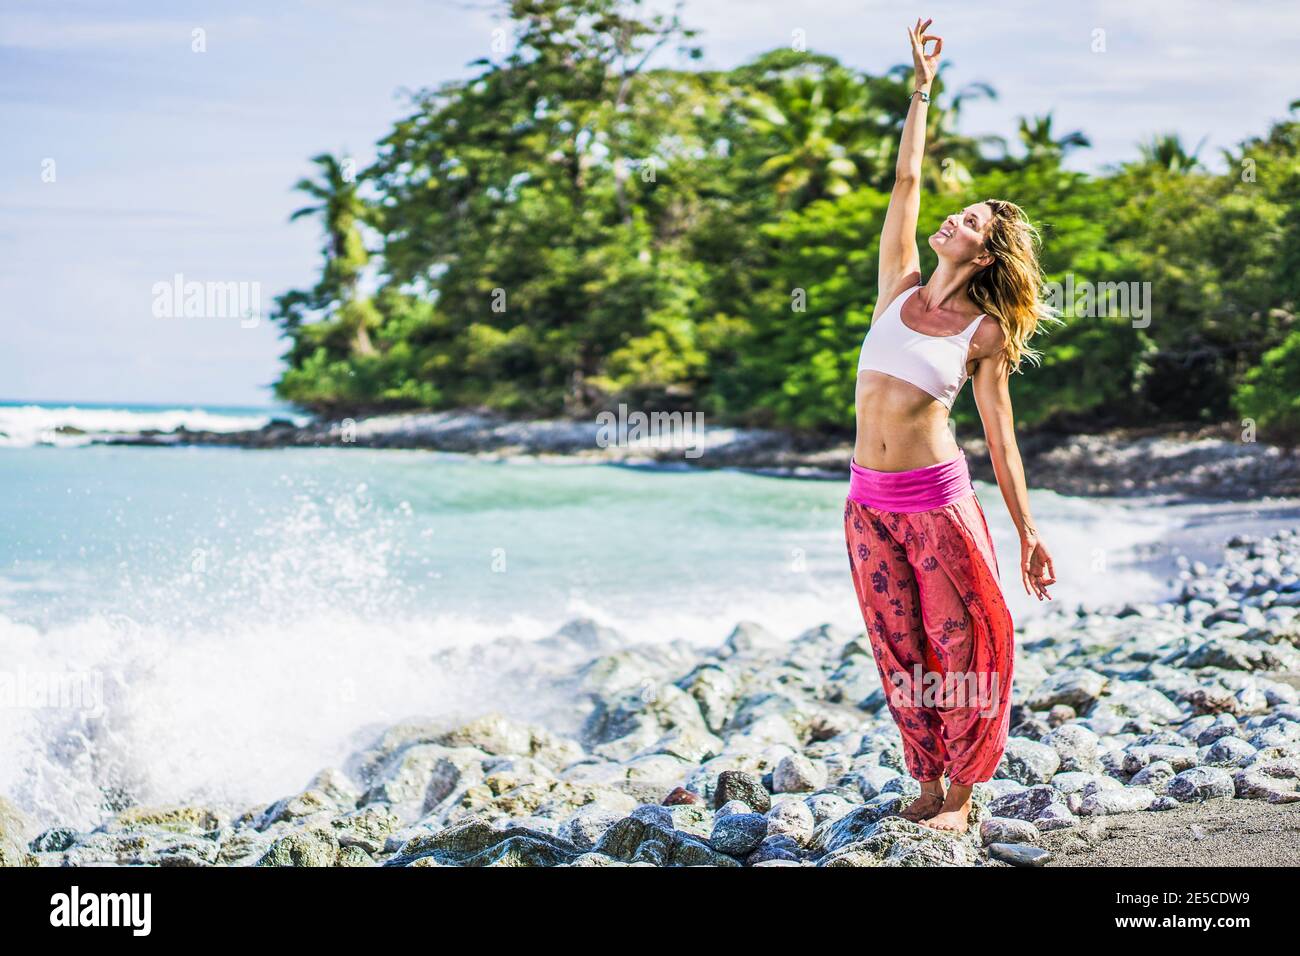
column 933, row 363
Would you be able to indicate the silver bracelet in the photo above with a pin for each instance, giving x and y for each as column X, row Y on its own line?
column 925, row 97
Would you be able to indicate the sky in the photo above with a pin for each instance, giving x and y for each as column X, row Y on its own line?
column 132, row 157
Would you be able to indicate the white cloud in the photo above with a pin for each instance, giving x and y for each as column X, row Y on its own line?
column 52, row 30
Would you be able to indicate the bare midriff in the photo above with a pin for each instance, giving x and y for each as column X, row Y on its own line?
column 900, row 426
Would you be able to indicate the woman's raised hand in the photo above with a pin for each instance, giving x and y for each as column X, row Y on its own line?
column 926, row 65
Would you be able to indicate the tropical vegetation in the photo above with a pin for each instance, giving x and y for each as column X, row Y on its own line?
column 573, row 226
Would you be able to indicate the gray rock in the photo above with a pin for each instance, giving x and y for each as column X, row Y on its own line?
column 748, row 789
column 1200, row 784
column 853, row 826
column 872, row 780
column 1276, row 782
column 797, row 774
column 733, row 806
column 415, row 777
column 367, row 828
column 1212, row 700
column 1007, row 830
column 474, row 842
column 893, row 841
column 633, row 840
column 791, row 818
column 1226, row 653
column 1000, row 787
column 1055, row 817
column 1076, row 746
column 585, row 828
column 1164, row 737
column 1026, row 804
column 827, row 806
column 1028, row 761
column 1122, row 800
column 1060, row 715
column 1180, row 758
column 337, row 786
column 597, row 859
column 354, row 856
column 314, row 846
column 1075, row 781
column 653, row 815
column 738, row 834
column 714, row 690
column 493, row 734
column 1229, row 752
column 53, row 840
column 692, row 819
column 688, row 851
column 1277, row 734
column 775, row 848
column 1155, row 775
column 1078, row 689
column 175, row 819
column 1019, row 854
column 1136, row 700
column 748, row 639
column 309, row 803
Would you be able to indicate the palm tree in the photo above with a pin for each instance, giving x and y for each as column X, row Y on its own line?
column 1166, row 151
column 821, row 132
column 1036, row 135
column 340, row 208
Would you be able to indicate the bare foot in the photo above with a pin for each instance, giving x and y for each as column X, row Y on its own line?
column 926, row 805
column 954, row 813
column 953, row 821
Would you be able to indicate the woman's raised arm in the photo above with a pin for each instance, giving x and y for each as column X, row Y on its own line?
column 898, row 254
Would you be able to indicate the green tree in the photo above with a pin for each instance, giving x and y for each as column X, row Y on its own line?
column 341, row 212
column 579, row 222
column 1167, row 152
column 1270, row 393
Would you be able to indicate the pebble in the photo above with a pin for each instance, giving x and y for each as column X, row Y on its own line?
column 1019, row 854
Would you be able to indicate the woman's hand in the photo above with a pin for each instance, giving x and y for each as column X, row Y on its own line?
column 926, row 66
column 1036, row 571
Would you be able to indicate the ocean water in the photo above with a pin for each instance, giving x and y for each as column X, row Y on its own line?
column 219, row 624
column 25, row 424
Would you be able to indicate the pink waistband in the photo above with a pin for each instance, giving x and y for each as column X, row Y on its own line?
column 920, row 489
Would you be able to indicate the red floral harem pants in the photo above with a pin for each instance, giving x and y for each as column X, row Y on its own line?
column 927, row 583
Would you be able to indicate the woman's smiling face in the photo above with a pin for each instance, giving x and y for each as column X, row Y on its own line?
column 960, row 237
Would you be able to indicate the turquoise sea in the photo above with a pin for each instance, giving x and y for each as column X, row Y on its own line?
column 234, row 619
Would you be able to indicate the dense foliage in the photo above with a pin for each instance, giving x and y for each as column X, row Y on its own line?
column 569, row 228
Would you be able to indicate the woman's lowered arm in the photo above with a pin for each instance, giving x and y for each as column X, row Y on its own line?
column 993, row 398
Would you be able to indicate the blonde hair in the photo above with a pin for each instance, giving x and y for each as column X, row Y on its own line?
column 1011, row 288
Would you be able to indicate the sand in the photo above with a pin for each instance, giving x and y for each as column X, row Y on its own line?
column 1215, row 833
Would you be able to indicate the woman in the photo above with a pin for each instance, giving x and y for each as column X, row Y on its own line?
column 919, row 548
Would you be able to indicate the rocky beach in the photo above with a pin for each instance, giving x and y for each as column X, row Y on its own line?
column 1149, row 734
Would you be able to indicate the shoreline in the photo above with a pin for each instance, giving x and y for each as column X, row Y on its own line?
column 1154, row 464
column 1157, row 734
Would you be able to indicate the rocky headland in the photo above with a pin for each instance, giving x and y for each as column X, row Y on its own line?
column 1199, row 463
